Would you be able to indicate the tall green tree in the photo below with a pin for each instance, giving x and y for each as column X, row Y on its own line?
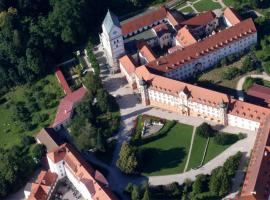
column 127, row 162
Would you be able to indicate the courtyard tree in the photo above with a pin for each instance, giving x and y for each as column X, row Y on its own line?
column 205, row 130
column 127, row 162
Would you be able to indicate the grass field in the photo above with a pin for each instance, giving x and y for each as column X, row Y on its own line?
column 197, row 152
column 213, row 78
column 229, row 2
column 205, row 5
column 214, row 150
column 168, row 154
column 198, row 148
column 187, row 10
column 11, row 132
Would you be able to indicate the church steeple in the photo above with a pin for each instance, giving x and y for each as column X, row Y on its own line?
column 110, row 20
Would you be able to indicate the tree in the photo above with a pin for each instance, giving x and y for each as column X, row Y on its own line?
column 146, row 195
column 127, row 162
column 85, row 136
column 37, row 151
column 200, row 184
column 101, row 143
column 225, row 138
column 102, row 100
column 65, row 16
column 247, row 65
column 21, row 113
column 135, row 194
column 205, row 130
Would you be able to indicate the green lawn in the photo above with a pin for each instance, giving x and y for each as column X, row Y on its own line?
column 11, row 132
column 168, row 154
column 229, row 2
column 187, row 10
column 205, row 5
column 197, row 152
column 198, row 148
column 214, row 150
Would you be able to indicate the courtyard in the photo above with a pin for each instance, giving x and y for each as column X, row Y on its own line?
column 173, row 149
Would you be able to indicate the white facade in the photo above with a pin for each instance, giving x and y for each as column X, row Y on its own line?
column 243, row 123
column 57, row 168
column 210, row 59
column 130, row 77
column 78, row 184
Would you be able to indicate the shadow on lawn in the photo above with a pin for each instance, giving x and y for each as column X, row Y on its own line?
column 154, row 159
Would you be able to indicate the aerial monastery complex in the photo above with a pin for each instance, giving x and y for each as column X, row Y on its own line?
column 192, row 46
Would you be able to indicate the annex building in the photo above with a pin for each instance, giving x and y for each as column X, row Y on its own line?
column 66, row 161
column 193, row 45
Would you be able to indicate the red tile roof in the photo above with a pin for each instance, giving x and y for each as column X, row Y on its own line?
column 219, row 40
column 256, row 184
column 260, row 91
column 184, row 37
column 201, row 19
column 248, row 111
column 160, row 27
column 232, row 16
column 62, row 81
column 143, row 20
column 174, row 87
column 128, row 63
column 147, row 52
column 42, row 187
column 82, row 171
column 65, row 108
column 174, row 18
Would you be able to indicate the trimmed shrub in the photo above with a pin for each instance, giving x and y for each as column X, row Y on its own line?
column 225, row 138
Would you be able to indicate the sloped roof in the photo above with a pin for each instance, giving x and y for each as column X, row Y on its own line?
column 232, row 16
column 65, row 107
column 49, row 138
column 184, row 37
column 62, row 81
column 201, row 19
column 147, row 52
column 174, row 87
column 110, row 20
column 260, row 91
column 40, row 189
column 82, row 171
column 256, row 184
column 128, row 63
column 212, row 43
column 248, row 111
column 143, row 20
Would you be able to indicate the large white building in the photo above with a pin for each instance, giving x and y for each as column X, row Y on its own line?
column 66, row 162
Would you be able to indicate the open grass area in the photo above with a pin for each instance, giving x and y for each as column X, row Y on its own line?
column 11, row 131
column 214, row 150
column 168, row 154
column 205, row 5
column 198, row 149
column 213, row 78
column 187, row 9
column 197, row 152
column 229, row 2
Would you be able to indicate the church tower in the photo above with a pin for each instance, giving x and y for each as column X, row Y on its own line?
column 112, row 38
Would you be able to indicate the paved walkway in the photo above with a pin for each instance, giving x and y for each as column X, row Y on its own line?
column 190, row 148
column 241, row 82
